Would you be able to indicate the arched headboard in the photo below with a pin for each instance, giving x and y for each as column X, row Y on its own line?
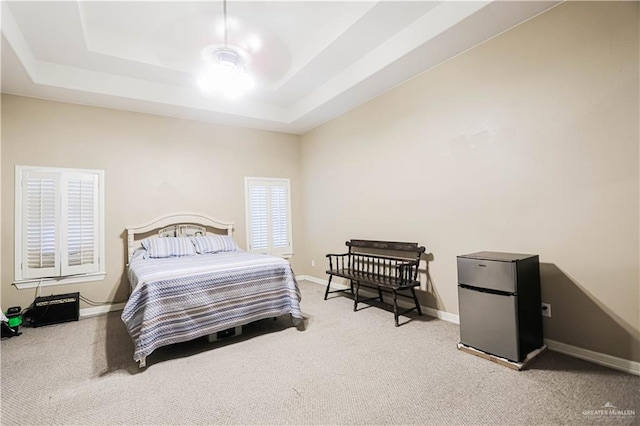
column 178, row 225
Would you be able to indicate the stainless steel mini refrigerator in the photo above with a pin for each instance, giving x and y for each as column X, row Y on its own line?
column 500, row 303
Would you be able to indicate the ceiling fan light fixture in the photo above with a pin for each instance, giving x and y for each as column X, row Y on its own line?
column 225, row 70
column 225, row 80
column 226, row 57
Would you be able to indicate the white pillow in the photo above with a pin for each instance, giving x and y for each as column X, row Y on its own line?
column 159, row 247
column 214, row 244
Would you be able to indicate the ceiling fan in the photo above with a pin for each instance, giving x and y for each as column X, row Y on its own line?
column 225, row 69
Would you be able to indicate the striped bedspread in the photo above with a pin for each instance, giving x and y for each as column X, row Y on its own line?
column 181, row 298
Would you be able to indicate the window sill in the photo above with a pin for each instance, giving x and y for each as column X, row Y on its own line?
column 282, row 255
column 46, row 282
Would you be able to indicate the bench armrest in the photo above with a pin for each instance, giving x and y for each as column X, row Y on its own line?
column 408, row 271
column 338, row 261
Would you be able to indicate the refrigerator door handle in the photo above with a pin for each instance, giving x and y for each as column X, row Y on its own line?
column 488, row 290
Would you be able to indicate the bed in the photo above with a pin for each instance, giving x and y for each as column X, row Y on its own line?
column 190, row 279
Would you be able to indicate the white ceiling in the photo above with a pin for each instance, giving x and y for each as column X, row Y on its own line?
column 311, row 60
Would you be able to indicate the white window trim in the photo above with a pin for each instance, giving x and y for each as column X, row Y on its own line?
column 287, row 181
column 47, row 282
column 72, row 279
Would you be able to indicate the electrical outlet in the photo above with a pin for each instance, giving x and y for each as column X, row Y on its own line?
column 546, row 310
column 313, row 263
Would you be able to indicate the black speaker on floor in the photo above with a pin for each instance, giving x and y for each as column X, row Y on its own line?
column 55, row 309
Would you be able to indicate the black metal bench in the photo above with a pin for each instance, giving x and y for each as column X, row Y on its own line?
column 383, row 265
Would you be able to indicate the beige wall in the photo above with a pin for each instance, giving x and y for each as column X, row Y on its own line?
column 153, row 166
column 527, row 143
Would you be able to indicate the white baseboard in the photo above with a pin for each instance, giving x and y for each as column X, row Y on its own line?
column 100, row 310
column 445, row 316
column 610, row 361
column 316, row 280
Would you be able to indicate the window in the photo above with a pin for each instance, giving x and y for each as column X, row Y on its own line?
column 268, row 207
column 59, row 226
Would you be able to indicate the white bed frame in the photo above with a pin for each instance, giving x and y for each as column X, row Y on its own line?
column 176, row 225
column 179, row 225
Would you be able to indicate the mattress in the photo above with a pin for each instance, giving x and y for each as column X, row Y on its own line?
column 181, row 298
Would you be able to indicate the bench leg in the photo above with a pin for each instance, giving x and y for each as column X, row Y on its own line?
column 380, row 295
column 395, row 307
column 326, row 293
column 415, row 299
column 355, row 299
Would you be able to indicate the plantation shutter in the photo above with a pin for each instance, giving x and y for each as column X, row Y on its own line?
column 258, row 217
column 40, row 224
column 80, row 229
column 58, row 223
column 268, row 216
column 280, row 239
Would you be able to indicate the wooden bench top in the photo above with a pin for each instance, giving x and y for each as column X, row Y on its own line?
column 386, row 245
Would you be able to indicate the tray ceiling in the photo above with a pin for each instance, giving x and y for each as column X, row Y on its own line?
column 311, row 60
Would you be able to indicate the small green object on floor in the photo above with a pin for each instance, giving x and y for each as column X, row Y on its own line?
column 12, row 325
column 15, row 321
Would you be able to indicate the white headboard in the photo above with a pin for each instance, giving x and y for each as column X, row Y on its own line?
column 176, row 225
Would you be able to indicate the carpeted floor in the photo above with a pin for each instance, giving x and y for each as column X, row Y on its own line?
column 345, row 367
